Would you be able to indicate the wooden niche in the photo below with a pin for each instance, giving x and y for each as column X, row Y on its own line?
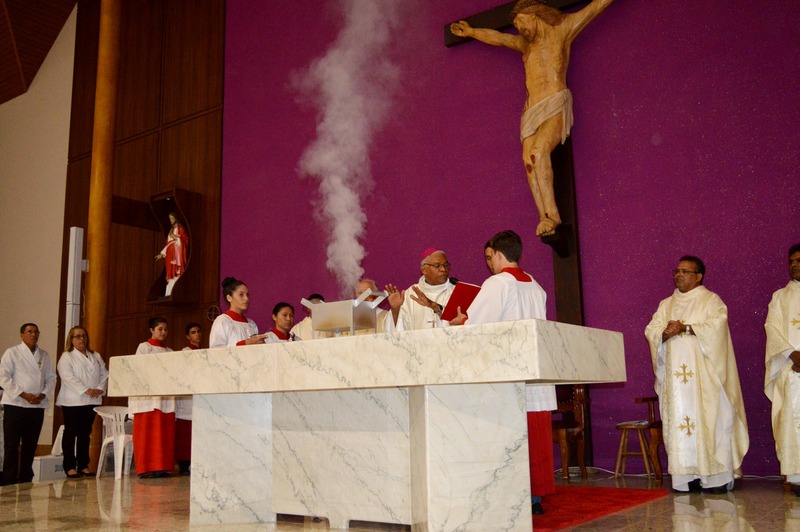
column 186, row 207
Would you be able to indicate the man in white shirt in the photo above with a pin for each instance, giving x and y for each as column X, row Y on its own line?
column 782, row 378
column 427, row 299
column 28, row 381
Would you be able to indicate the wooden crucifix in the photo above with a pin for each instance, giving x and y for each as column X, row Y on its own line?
column 544, row 36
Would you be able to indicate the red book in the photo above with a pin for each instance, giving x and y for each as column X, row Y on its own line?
column 462, row 296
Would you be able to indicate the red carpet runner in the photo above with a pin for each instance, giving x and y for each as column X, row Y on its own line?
column 573, row 505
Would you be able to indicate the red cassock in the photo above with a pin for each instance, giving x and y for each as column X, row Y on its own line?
column 183, row 439
column 540, row 452
column 154, row 441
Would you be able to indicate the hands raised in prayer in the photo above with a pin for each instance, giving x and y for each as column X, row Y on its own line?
column 674, row 328
column 795, row 358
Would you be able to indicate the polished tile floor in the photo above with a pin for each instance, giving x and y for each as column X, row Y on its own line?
column 163, row 504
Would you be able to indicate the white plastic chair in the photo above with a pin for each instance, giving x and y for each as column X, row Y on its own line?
column 114, row 434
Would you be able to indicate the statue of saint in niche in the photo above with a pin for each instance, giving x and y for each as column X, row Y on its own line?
column 545, row 36
column 174, row 252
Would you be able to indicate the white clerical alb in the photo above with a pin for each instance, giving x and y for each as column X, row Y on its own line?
column 415, row 316
column 781, row 383
column 705, row 429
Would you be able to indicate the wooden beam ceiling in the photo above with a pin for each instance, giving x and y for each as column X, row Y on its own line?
column 28, row 29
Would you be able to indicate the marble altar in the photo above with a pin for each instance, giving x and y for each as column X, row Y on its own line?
column 425, row 428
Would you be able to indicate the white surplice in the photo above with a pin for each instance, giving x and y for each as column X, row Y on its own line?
column 414, row 316
column 138, row 405
column 504, row 297
column 781, row 383
column 230, row 328
column 697, row 381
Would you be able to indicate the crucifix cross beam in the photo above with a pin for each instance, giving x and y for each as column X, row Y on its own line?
column 497, row 18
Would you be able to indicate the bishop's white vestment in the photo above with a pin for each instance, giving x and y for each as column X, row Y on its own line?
column 414, row 316
column 781, row 383
column 697, row 381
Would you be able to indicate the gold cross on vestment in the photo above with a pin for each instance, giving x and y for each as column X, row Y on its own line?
column 685, row 374
column 688, row 426
column 796, row 323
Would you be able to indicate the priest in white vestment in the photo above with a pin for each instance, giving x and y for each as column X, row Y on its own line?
column 782, row 378
column 421, row 306
column 697, row 381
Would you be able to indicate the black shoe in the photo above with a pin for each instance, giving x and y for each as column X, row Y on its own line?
column 76, row 474
column 536, row 508
column 695, row 487
column 154, row 474
column 716, row 490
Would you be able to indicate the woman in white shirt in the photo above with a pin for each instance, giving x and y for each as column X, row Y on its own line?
column 84, row 379
column 232, row 327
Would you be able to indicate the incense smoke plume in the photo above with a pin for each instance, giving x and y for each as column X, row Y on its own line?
column 352, row 87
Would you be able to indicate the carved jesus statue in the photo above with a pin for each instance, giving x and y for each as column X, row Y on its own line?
column 545, row 36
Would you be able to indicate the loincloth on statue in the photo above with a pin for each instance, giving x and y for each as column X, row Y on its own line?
column 560, row 102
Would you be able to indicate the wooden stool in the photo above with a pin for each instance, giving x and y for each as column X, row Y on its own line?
column 622, row 456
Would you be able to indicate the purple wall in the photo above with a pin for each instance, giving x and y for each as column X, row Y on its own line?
column 685, row 140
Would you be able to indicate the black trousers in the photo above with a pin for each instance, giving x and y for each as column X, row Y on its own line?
column 78, row 421
column 21, row 426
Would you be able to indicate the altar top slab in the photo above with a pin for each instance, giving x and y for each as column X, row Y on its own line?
column 534, row 351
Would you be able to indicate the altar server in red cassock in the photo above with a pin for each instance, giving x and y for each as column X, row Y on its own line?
column 512, row 294
column 154, row 417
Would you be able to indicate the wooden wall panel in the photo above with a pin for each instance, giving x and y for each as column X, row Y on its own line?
column 136, row 168
column 84, row 78
column 133, row 268
column 141, row 35
column 125, row 334
column 191, row 153
column 193, row 58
